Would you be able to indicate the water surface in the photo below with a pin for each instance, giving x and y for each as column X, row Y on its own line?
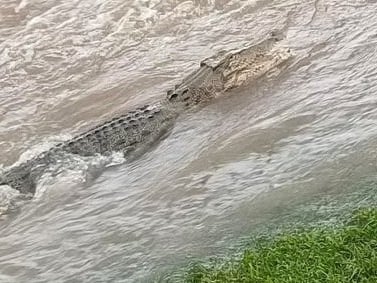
column 291, row 137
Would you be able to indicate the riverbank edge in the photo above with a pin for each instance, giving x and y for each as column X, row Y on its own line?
column 347, row 253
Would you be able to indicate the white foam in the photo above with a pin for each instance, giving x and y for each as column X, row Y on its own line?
column 23, row 4
column 116, row 158
column 56, row 186
column 41, row 147
column 73, row 170
column 7, row 198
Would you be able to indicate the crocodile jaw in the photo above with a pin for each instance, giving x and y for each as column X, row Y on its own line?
column 240, row 72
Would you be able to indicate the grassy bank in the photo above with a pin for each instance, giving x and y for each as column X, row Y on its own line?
column 344, row 254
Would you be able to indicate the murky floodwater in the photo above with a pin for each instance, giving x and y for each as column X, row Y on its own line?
column 65, row 65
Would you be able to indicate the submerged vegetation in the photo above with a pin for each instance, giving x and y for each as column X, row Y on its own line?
column 344, row 254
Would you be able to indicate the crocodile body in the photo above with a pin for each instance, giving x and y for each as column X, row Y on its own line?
column 145, row 124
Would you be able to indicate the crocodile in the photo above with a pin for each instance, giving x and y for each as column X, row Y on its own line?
column 144, row 125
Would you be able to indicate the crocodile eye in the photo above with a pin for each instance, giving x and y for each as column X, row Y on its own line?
column 173, row 96
column 185, row 91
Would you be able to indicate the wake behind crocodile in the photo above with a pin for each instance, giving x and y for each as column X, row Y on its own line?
column 136, row 131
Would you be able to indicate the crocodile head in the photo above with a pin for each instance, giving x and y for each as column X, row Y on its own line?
column 229, row 70
column 247, row 66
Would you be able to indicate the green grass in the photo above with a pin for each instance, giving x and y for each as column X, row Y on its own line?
column 344, row 254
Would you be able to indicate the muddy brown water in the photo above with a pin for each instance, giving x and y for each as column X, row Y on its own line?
column 65, row 65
